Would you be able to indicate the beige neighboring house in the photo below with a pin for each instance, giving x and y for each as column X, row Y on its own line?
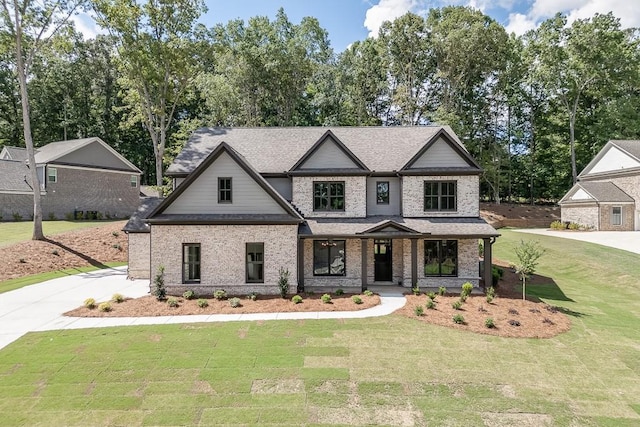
column 338, row 207
column 78, row 178
column 607, row 194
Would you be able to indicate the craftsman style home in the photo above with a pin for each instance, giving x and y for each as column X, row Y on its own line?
column 81, row 178
column 338, row 207
column 607, row 194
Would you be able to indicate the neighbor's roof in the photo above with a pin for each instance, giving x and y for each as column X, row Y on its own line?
column 630, row 146
column 54, row 150
column 136, row 223
column 276, row 150
column 16, row 153
column 605, row 192
column 14, row 176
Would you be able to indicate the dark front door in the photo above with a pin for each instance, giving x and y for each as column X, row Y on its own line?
column 382, row 261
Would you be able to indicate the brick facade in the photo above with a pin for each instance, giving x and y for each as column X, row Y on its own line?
column 355, row 200
column 139, row 255
column 18, row 204
column 606, row 223
column 468, row 188
column 584, row 215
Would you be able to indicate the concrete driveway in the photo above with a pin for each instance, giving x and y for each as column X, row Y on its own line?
column 625, row 240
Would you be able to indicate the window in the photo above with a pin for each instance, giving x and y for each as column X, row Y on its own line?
column 440, row 257
column 616, row 215
column 328, row 196
column 224, row 190
column 329, row 258
column 191, row 263
column 440, row 195
column 52, row 175
column 382, row 192
column 255, row 262
column 134, row 181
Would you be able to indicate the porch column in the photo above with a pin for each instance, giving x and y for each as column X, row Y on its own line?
column 414, row 262
column 363, row 251
column 300, row 265
column 487, row 242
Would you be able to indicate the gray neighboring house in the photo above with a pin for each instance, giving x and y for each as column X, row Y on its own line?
column 338, row 207
column 82, row 177
column 607, row 194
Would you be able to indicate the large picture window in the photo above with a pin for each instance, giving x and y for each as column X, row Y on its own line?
column 224, row 190
column 329, row 258
column 616, row 215
column 191, row 263
column 255, row 262
column 328, row 196
column 440, row 257
column 440, row 195
column 382, row 192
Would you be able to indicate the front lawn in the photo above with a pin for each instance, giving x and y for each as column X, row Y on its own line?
column 390, row 370
column 16, row 232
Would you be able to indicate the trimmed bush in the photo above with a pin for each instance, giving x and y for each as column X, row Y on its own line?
column 466, row 289
column 90, row 303
column 339, row 292
column 235, row 302
column 458, row 319
column 296, row 299
column 416, row 290
column 326, row 298
column 252, row 296
column 442, row 291
column 463, row 298
column 159, row 290
column 220, row 294
column 202, row 303
column 557, row 225
column 456, row 305
column 173, row 302
column 431, row 295
column 283, row 282
column 189, row 294
column 418, row 310
column 431, row 304
column 488, row 323
column 368, row 293
column 105, row 307
column 491, row 291
column 117, row 298
column 356, row 299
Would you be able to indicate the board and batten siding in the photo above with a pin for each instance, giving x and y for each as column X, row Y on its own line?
column 393, row 207
column 201, row 197
column 94, row 154
column 328, row 156
column 439, row 155
column 282, row 186
column 614, row 160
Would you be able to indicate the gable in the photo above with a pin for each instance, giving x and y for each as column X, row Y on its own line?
column 94, row 154
column 439, row 155
column 331, row 154
column 580, row 194
column 200, row 196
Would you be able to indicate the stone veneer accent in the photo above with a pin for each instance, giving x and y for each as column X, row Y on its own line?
column 139, row 253
column 586, row 214
column 223, row 251
column 627, row 213
column 355, row 200
column 468, row 188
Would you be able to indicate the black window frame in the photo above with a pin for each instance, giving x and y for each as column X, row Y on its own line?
column 329, row 196
column 614, row 215
column 254, row 261
column 225, row 193
column 187, row 263
column 441, row 256
column 385, row 199
column 333, row 250
column 442, row 196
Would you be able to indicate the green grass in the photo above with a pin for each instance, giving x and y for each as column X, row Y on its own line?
column 12, row 284
column 16, row 232
column 386, row 371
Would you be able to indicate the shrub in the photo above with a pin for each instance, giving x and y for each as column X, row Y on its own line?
column 159, row 290
column 17, row 216
column 117, row 298
column 416, row 290
column 431, row 295
column 235, row 302
column 489, row 299
column 220, row 294
column 356, row 299
column 105, row 307
column 189, row 294
column 557, row 225
column 90, row 303
column 431, row 304
column 456, row 305
column 115, row 233
column 442, row 291
column 368, row 293
column 574, row 226
column 296, row 299
column 283, row 282
column 496, row 275
column 202, row 303
column 459, row 319
column 252, row 296
column 117, row 246
column 69, row 216
column 488, row 323
column 326, row 298
column 418, row 310
column 463, row 297
column 491, row 291
column 466, row 289
column 339, row 292
column 52, row 216
column 173, row 302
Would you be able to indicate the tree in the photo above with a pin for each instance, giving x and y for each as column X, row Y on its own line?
column 29, row 25
column 528, row 253
column 159, row 58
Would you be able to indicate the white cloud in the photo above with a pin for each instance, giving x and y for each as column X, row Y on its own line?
column 86, row 25
column 547, row 8
column 386, row 10
column 519, row 24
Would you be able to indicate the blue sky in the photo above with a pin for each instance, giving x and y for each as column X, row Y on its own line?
column 349, row 20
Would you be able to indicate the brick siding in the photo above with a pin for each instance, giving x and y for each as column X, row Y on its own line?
column 467, row 196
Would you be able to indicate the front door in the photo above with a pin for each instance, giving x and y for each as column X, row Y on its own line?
column 382, row 260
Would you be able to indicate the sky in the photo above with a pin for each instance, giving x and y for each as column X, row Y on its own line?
column 349, row 20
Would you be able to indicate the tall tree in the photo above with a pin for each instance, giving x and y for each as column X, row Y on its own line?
column 159, row 59
column 29, row 25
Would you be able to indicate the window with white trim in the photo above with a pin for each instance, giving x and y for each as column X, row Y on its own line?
column 52, row 175
column 134, row 181
column 616, row 215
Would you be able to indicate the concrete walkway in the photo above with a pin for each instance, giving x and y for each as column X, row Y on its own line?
column 625, row 240
column 39, row 307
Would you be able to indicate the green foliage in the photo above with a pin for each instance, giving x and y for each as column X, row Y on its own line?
column 115, row 234
column 431, row 304
column 235, row 302
column 356, row 299
column 326, row 298
column 442, row 291
column 490, row 298
column 189, row 294
column 431, row 295
column 467, row 287
column 488, row 323
column 491, row 291
column 16, row 216
column 220, row 294
column 51, row 216
column 456, row 305
column 173, row 302
column 252, row 296
column 159, row 290
column 416, row 290
column 557, row 225
column 418, row 310
column 528, row 253
column 463, row 298
column 117, row 298
column 339, row 292
column 296, row 299
column 368, row 293
column 202, row 303
column 496, row 275
column 458, row 319
column 90, row 303
column 105, row 307
column 574, row 226
column 283, row 282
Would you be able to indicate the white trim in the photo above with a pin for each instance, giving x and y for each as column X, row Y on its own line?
column 22, row 193
column 93, row 169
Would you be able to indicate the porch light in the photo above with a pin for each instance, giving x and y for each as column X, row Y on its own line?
column 327, row 243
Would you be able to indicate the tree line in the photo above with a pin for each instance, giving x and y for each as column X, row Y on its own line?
column 533, row 109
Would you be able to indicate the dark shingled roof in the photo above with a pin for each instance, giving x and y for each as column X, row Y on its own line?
column 630, row 146
column 14, row 176
column 276, row 150
column 136, row 223
column 606, row 192
column 16, row 153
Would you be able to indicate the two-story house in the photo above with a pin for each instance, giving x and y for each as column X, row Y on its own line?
column 338, row 207
column 607, row 194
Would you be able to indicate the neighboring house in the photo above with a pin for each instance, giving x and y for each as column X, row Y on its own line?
column 607, row 195
column 338, row 207
column 80, row 177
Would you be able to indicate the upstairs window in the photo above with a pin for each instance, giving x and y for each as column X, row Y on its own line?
column 255, row 262
column 440, row 195
column 382, row 192
column 191, row 263
column 616, row 215
column 52, row 175
column 440, row 257
column 224, row 190
column 134, row 181
column 328, row 196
